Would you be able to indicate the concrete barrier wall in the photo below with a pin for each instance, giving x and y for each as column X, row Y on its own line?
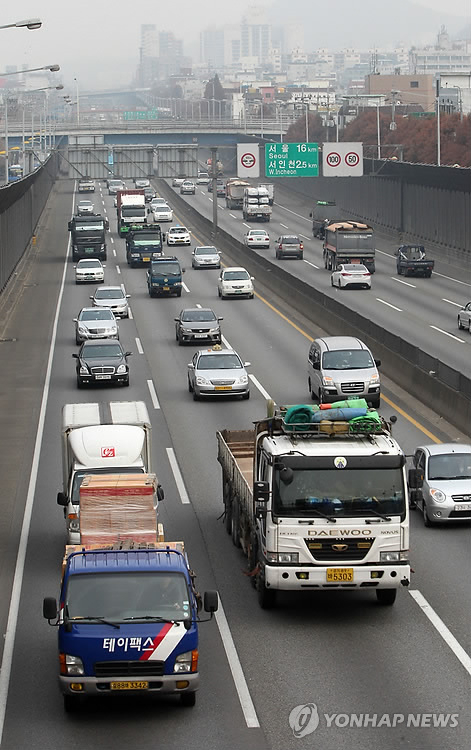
column 447, row 391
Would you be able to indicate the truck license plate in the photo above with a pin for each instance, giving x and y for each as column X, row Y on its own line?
column 461, row 506
column 339, row 575
column 143, row 685
column 103, row 377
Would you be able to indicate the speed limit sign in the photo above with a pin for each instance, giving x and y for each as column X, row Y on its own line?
column 248, row 161
column 342, row 160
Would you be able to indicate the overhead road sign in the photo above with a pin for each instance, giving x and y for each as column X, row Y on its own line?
column 342, row 159
column 248, row 160
column 291, row 160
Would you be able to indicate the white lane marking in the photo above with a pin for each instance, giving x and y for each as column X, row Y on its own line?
column 450, row 302
column 304, row 237
column 177, row 475
column 104, row 211
column 450, row 278
column 118, row 270
column 10, row 633
column 245, row 699
column 383, row 302
column 103, row 202
column 401, row 281
column 294, row 213
column 246, row 225
column 114, row 252
column 210, row 199
column 198, row 305
column 202, row 192
column 185, row 287
column 225, row 342
column 131, row 316
column 139, row 346
column 153, row 394
column 442, row 629
column 122, row 288
column 383, row 253
column 112, row 240
column 234, row 217
column 451, row 336
column 260, row 387
column 311, row 264
column 284, row 225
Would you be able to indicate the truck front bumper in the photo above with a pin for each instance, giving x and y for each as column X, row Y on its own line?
column 92, row 686
column 294, row 578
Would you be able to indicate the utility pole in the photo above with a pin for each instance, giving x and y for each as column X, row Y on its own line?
column 214, row 159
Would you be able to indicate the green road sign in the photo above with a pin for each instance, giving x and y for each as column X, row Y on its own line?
column 291, row 160
column 141, row 114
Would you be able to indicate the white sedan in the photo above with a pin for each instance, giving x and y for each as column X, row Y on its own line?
column 351, row 275
column 257, row 238
column 178, row 236
column 89, row 269
column 235, row 282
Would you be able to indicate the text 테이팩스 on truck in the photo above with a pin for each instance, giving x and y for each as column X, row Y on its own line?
column 99, row 439
column 130, row 209
column 128, row 609
column 143, row 243
column 318, row 506
column 88, row 236
column 256, row 206
column 349, row 242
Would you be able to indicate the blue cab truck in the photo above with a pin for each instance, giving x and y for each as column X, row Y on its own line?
column 143, row 244
column 164, row 276
column 128, row 623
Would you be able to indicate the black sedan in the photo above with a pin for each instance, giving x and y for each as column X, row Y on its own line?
column 102, row 362
column 197, row 324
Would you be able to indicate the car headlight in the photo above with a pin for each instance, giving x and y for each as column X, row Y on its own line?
column 186, row 330
column 243, row 380
column 283, row 557
column 327, row 380
column 374, row 379
column 83, row 331
column 438, row 496
column 72, row 665
column 214, row 330
column 121, row 369
column 201, row 381
column 83, row 370
column 186, row 662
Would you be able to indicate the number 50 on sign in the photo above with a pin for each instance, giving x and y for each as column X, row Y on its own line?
column 342, row 159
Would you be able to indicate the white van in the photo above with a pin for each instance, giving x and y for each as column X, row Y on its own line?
column 341, row 367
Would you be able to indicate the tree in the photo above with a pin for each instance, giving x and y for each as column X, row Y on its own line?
column 296, row 132
column 214, row 89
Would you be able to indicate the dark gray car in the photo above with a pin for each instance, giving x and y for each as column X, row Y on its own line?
column 197, row 324
column 289, row 246
column 102, row 362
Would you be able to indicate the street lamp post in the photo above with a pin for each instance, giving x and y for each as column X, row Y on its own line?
column 78, row 102
column 378, row 130
column 306, row 104
column 30, row 23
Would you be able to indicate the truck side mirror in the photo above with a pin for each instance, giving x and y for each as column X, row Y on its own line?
column 211, row 601
column 377, row 362
column 49, row 608
column 163, row 236
column 62, row 499
column 160, row 493
column 415, row 479
column 75, row 355
column 107, row 224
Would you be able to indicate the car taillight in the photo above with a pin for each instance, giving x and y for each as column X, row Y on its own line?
column 301, row 246
column 347, row 274
column 280, row 246
column 366, row 274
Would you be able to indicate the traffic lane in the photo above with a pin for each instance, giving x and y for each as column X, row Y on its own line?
column 283, row 677
column 384, row 304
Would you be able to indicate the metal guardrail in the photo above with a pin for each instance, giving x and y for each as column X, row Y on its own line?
column 252, row 126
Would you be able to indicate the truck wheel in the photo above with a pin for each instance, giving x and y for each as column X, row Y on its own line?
column 375, row 402
column 188, row 699
column 235, row 523
column 399, row 271
column 179, row 294
column 428, row 274
column 386, row 596
column 266, row 597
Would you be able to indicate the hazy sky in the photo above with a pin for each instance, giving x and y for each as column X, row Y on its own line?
column 91, row 40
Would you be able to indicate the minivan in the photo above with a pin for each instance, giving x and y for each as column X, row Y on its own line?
column 341, row 367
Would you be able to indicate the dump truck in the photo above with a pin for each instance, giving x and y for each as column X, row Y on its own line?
column 317, row 506
column 349, row 242
column 235, row 193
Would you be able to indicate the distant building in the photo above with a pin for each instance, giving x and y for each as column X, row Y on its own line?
column 411, row 89
column 445, row 56
column 212, row 48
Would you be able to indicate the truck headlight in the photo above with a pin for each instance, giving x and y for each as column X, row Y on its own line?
column 389, row 556
column 73, row 524
column 438, row 496
column 102, row 247
column 71, row 665
column 374, row 379
column 327, row 380
column 186, row 662
column 121, row 370
column 178, row 283
column 283, row 557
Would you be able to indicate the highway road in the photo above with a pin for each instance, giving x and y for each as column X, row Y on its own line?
column 421, row 311
column 342, row 652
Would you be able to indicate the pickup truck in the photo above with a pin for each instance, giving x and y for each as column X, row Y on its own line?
column 412, row 261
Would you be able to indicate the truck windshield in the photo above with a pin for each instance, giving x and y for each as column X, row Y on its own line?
column 340, row 493
column 146, row 239
column 133, row 595
column 79, row 475
column 165, row 269
column 133, row 211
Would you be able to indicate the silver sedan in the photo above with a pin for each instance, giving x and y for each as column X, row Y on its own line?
column 206, row 257
column 95, row 323
column 218, row 372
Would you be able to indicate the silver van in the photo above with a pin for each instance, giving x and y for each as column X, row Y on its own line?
column 341, row 367
column 440, row 482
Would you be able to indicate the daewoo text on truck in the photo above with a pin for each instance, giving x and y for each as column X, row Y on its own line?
column 100, row 439
column 317, row 506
